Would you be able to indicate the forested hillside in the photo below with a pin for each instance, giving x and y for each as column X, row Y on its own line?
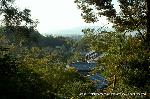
column 33, row 66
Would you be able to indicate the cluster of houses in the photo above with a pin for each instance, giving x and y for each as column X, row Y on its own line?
column 85, row 68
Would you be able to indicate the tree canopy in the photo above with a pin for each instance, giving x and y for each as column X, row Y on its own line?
column 133, row 15
column 13, row 16
column 125, row 63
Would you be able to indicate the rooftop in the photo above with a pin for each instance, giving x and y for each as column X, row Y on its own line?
column 83, row 66
column 100, row 81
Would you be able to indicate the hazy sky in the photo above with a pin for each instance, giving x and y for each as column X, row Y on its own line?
column 55, row 15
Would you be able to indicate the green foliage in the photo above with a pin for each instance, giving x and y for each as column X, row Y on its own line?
column 98, row 40
column 82, row 45
column 88, row 7
column 132, row 16
column 125, row 63
column 27, row 68
column 18, row 25
column 13, row 16
column 34, row 66
column 35, row 73
column 74, row 89
column 126, row 60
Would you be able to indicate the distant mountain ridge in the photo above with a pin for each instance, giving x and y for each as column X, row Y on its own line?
column 76, row 31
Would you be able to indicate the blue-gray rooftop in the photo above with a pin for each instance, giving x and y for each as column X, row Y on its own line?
column 83, row 66
column 100, row 81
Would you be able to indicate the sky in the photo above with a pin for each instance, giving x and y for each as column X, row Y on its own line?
column 56, row 15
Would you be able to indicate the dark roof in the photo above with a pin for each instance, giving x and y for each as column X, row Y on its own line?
column 101, row 82
column 83, row 66
column 97, row 77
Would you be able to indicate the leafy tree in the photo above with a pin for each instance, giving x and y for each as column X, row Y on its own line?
column 82, row 45
column 132, row 17
column 125, row 63
column 35, row 73
column 18, row 24
column 13, row 16
column 98, row 40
